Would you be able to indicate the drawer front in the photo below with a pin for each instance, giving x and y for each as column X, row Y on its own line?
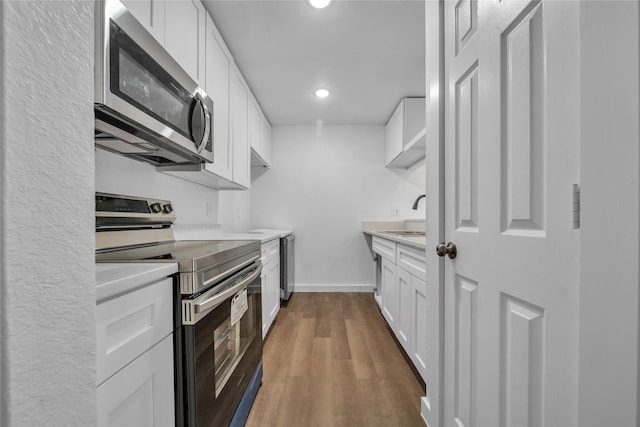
column 270, row 250
column 131, row 324
column 413, row 260
column 385, row 248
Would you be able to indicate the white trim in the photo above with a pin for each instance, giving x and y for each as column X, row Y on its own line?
column 608, row 375
column 432, row 404
column 333, row 287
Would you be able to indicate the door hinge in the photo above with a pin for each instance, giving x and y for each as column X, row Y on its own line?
column 575, row 206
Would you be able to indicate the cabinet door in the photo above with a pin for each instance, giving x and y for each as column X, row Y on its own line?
column 141, row 394
column 403, row 323
column 217, row 87
column 265, row 140
column 239, row 130
column 254, row 130
column 389, row 292
column 150, row 13
column 264, row 286
column 184, row 36
column 274, row 288
column 393, row 135
column 419, row 319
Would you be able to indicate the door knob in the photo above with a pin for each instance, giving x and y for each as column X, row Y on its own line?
column 449, row 249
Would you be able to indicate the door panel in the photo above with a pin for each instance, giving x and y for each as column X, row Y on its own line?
column 511, row 150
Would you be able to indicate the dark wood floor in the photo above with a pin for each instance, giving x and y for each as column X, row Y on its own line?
column 329, row 360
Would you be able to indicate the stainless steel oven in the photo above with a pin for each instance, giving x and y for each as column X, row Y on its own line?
column 146, row 106
column 218, row 316
column 222, row 347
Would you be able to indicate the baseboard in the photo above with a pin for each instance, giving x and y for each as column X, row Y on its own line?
column 333, row 288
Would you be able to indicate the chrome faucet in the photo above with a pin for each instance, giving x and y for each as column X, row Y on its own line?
column 415, row 204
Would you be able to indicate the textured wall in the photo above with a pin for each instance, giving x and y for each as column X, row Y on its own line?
column 323, row 182
column 48, row 296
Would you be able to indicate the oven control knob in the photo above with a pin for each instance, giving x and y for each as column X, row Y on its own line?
column 167, row 209
column 156, row 208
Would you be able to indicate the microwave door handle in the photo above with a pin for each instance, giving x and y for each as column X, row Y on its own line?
column 207, row 127
column 220, row 297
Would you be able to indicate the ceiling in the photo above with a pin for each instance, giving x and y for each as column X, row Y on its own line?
column 368, row 54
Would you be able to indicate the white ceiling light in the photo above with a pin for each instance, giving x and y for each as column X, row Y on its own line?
column 322, row 93
column 319, row 4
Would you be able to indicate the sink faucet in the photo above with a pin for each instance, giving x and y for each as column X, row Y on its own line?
column 415, row 204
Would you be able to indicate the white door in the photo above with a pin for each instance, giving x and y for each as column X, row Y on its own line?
column 511, row 157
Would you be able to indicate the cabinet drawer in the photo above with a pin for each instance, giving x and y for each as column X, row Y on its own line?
column 270, row 250
column 384, row 247
column 131, row 324
column 413, row 260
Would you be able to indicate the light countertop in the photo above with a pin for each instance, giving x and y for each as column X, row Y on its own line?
column 200, row 233
column 113, row 279
column 379, row 228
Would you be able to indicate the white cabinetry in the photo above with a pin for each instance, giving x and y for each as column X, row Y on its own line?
column 184, row 35
column 150, row 13
column 403, row 323
column 389, row 292
column 270, row 283
column 404, row 134
column 260, row 136
column 239, row 110
column 404, row 304
column 134, row 356
column 218, row 64
column 192, row 39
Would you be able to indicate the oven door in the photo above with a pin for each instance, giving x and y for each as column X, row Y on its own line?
column 222, row 347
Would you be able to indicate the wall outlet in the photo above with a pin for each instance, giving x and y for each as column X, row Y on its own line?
column 394, row 212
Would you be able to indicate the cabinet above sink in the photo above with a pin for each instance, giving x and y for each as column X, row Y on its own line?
column 404, row 134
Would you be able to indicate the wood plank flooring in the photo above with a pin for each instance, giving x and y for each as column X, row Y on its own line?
column 330, row 360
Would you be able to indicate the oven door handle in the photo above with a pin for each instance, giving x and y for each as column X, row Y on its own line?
column 220, row 297
column 230, row 271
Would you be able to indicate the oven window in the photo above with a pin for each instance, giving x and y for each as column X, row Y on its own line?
column 230, row 343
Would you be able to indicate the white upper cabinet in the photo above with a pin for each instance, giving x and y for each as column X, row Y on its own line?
column 239, row 109
column 254, row 125
column 150, row 13
column 192, row 39
column 184, row 36
column 217, row 87
column 404, row 134
column 260, row 136
column 265, row 140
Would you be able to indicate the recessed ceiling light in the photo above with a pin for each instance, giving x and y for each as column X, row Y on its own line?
column 322, row 93
column 319, row 4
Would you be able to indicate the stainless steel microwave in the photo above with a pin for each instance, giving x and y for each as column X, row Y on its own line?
column 146, row 106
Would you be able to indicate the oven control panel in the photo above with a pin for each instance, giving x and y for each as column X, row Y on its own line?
column 118, row 210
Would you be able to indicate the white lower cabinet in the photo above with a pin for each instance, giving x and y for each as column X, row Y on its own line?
column 418, row 339
column 389, row 292
column 403, row 324
column 270, row 283
column 134, row 354
column 404, row 303
column 141, row 394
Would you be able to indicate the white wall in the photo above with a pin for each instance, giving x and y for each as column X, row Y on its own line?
column 47, row 210
column 323, row 182
column 194, row 205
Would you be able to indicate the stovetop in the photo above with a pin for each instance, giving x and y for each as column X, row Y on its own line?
column 191, row 255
